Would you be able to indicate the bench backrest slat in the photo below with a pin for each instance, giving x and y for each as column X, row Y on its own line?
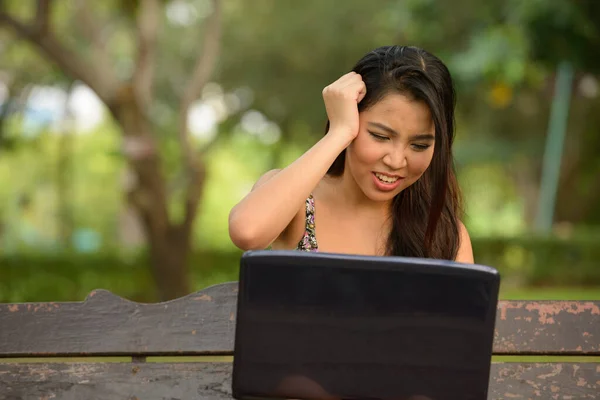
column 106, row 324
column 547, row 327
column 157, row 381
column 204, row 322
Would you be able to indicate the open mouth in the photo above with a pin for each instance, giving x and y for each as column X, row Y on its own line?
column 386, row 178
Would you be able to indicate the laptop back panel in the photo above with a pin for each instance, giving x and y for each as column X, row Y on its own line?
column 336, row 326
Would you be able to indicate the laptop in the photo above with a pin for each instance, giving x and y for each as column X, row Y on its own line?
column 333, row 326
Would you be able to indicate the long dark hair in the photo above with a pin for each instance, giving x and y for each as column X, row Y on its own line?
column 425, row 216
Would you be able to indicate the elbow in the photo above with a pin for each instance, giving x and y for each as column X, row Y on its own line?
column 244, row 235
column 244, row 240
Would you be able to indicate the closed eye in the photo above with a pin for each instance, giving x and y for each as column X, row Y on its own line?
column 421, row 147
column 379, row 137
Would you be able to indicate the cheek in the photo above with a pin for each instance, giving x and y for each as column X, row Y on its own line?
column 363, row 154
column 419, row 162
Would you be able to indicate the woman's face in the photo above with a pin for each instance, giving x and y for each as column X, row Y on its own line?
column 393, row 148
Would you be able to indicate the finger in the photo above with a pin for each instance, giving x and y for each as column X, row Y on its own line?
column 362, row 93
column 348, row 78
column 351, row 82
column 358, row 90
column 340, row 83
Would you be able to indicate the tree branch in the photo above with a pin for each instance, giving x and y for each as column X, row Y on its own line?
column 93, row 74
column 86, row 23
column 200, row 76
column 42, row 16
column 148, row 21
column 91, row 31
column 202, row 72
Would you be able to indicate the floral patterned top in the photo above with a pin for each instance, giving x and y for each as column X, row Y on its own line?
column 309, row 240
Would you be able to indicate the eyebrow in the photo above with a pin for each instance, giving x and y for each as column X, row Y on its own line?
column 421, row 136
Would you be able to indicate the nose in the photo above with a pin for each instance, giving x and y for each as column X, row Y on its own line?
column 395, row 159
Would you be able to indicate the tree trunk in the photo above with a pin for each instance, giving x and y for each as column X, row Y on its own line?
column 168, row 243
column 169, row 255
column 128, row 103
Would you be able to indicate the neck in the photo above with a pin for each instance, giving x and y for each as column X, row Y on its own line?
column 351, row 196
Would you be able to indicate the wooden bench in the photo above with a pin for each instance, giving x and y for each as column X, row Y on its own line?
column 196, row 333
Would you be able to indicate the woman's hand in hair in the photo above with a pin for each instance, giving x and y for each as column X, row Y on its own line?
column 274, row 212
column 341, row 102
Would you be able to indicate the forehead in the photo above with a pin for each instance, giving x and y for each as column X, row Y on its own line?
column 397, row 109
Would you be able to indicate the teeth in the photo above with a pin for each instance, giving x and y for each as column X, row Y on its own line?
column 385, row 178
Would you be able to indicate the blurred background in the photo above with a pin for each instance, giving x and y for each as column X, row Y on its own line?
column 129, row 129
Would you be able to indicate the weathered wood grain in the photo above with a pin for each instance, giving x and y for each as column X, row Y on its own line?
column 568, row 381
column 105, row 324
column 547, row 327
column 158, row 381
column 101, row 381
column 204, row 322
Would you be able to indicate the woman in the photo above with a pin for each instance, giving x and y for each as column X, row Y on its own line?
column 381, row 181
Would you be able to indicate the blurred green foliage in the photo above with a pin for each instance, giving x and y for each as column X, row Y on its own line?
column 522, row 261
column 71, row 277
column 542, row 260
column 276, row 57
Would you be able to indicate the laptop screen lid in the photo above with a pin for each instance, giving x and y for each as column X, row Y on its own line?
column 318, row 325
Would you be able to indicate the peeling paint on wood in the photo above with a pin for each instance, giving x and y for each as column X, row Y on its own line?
column 547, row 327
column 101, row 381
column 95, row 381
column 548, row 311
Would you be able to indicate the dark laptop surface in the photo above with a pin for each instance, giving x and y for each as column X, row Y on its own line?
column 317, row 325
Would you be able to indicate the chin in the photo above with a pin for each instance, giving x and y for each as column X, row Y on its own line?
column 375, row 195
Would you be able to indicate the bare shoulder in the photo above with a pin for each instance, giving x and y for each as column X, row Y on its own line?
column 265, row 177
column 465, row 250
column 290, row 236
